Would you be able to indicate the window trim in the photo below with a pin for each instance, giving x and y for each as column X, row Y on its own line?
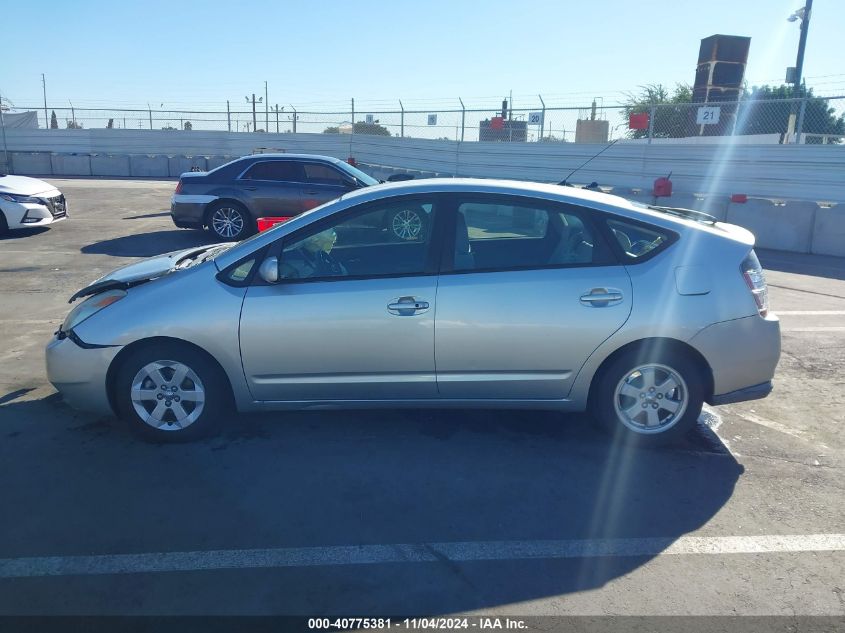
column 587, row 215
column 302, row 183
column 433, row 256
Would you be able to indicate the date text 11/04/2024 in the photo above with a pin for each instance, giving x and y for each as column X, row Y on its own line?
column 480, row 623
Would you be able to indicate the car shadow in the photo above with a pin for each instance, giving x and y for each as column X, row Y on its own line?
column 20, row 234
column 323, row 479
column 149, row 244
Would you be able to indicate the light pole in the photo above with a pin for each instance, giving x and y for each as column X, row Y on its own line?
column 802, row 14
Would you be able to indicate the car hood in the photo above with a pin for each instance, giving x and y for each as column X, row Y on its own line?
column 142, row 271
column 23, row 185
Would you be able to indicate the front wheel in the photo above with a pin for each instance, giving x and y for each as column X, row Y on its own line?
column 649, row 398
column 170, row 393
column 230, row 221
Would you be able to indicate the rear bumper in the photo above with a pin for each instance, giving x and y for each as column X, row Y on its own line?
column 742, row 354
column 189, row 211
column 754, row 392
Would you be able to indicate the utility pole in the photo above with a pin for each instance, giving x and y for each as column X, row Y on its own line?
column 294, row 118
column 150, row 112
column 266, row 109
column 799, row 62
column 228, row 116
column 254, row 122
column 6, row 167
column 44, row 87
column 277, row 118
column 72, row 114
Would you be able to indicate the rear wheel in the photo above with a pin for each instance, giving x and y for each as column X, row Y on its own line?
column 4, row 227
column 170, row 393
column 649, row 398
column 230, row 221
column 407, row 224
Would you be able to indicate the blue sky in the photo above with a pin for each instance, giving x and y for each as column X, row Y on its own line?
column 319, row 54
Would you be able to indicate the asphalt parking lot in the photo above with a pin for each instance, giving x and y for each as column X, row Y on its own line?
column 408, row 512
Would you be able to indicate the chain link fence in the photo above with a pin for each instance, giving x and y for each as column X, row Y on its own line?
column 818, row 120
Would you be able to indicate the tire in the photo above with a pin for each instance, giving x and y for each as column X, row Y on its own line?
column 229, row 221
column 407, row 224
column 4, row 226
column 177, row 412
column 629, row 403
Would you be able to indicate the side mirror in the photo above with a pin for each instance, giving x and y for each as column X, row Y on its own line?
column 269, row 270
column 350, row 184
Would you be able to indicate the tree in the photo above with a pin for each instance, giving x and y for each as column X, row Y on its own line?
column 765, row 111
column 188, row 126
column 110, row 124
column 73, row 125
column 669, row 122
column 362, row 127
column 168, row 127
column 54, row 122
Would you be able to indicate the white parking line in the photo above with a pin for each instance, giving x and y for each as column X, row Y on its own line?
column 809, row 312
column 155, row 562
column 821, row 328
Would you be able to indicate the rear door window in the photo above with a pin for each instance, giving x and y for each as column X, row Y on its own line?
column 500, row 235
column 275, row 170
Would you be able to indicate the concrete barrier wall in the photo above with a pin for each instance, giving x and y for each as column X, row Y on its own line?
column 141, row 166
column 807, row 172
column 829, row 231
column 71, row 164
column 31, row 163
column 717, row 206
column 787, row 227
column 178, row 165
column 108, row 165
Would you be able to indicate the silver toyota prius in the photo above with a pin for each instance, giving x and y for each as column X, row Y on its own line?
column 511, row 294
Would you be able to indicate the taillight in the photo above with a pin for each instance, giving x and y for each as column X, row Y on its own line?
column 178, row 187
column 752, row 272
column 270, row 222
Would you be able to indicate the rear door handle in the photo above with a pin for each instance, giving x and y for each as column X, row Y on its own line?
column 407, row 306
column 600, row 297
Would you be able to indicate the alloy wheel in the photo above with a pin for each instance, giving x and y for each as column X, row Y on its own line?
column 227, row 222
column 167, row 395
column 407, row 225
column 651, row 398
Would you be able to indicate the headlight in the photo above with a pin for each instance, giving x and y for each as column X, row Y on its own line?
column 91, row 306
column 15, row 197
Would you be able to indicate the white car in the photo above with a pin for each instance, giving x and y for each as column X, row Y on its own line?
column 27, row 202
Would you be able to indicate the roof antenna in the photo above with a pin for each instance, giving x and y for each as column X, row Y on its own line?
column 603, row 150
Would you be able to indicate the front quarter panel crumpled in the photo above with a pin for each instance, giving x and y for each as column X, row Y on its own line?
column 191, row 305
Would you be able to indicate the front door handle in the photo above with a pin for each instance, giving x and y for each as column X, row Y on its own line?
column 407, row 306
column 251, row 188
column 601, row 297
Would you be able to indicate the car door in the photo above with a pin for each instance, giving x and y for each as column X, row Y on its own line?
column 322, row 183
column 351, row 316
column 273, row 188
column 533, row 291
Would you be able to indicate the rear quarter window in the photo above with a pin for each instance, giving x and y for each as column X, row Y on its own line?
column 638, row 241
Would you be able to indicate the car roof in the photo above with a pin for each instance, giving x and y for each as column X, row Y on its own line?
column 330, row 159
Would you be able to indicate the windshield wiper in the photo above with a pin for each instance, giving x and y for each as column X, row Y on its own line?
column 689, row 214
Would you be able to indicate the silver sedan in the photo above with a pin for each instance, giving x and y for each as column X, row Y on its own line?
column 509, row 294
